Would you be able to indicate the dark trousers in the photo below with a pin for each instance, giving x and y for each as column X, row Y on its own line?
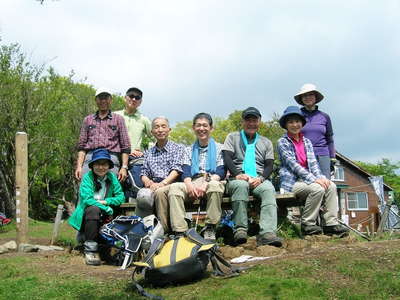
column 91, row 223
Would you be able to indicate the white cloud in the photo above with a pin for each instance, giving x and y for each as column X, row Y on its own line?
column 191, row 56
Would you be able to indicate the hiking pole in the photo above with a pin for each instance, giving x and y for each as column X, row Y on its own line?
column 354, row 230
column 198, row 215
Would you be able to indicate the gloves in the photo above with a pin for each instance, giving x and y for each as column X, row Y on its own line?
column 109, row 210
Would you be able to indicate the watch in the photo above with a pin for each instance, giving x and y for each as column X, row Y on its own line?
column 124, row 167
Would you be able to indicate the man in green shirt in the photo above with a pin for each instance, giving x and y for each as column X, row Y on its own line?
column 138, row 125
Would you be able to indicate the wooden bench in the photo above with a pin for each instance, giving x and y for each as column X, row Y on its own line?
column 282, row 200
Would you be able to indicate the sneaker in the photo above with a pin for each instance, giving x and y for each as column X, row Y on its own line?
column 311, row 229
column 336, row 229
column 92, row 259
column 240, row 236
column 208, row 233
column 269, row 238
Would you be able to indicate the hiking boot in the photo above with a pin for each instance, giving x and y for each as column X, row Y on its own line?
column 208, row 233
column 92, row 259
column 336, row 229
column 269, row 238
column 311, row 229
column 240, row 236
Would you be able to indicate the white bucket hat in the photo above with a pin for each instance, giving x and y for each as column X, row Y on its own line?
column 306, row 88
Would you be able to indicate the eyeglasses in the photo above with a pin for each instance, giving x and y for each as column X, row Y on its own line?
column 136, row 97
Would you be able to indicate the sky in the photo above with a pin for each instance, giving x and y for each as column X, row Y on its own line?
column 189, row 56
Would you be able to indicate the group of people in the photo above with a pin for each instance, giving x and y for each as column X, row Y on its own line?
column 173, row 174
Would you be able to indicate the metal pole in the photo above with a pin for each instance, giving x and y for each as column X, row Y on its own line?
column 21, row 186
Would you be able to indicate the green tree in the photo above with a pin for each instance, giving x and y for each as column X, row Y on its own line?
column 50, row 108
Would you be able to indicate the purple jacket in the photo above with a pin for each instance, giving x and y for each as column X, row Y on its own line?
column 318, row 130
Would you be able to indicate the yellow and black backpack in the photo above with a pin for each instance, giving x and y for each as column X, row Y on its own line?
column 179, row 260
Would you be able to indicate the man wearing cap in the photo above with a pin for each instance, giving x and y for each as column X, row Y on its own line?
column 103, row 129
column 249, row 158
column 162, row 166
column 301, row 174
column 138, row 125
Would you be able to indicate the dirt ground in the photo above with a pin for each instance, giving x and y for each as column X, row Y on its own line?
column 70, row 262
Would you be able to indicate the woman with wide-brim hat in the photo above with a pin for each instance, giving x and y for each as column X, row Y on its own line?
column 99, row 192
column 318, row 128
column 300, row 174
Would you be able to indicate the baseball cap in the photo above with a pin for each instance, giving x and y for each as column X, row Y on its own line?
column 251, row 111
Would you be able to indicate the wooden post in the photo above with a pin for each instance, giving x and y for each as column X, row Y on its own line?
column 57, row 222
column 21, row 186
column 373, row 229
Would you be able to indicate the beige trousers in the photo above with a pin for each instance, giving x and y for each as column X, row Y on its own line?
column 178, row 195
column 315, row 197
column 147, row 200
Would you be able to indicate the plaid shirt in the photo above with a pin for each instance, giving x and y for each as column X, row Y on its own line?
column 290, row 170
column 109, row 133
column 158, row 163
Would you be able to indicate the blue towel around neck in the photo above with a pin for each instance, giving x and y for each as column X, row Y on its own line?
column 211, row 165
column 249, row 162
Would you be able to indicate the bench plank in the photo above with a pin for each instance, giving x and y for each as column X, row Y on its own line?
column 282, row 200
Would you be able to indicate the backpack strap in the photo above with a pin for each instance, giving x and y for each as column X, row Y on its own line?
column 215, row 258
column 155, row 246
column 193, row 235
column 141, row 290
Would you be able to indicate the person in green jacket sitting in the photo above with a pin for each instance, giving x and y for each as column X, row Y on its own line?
column 99, row 191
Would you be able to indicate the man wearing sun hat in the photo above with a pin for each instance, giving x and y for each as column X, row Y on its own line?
column 103, row 129
column 300, row 173
column 249, row 158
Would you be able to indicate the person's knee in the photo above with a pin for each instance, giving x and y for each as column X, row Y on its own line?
column 176, row 189
column 240, row 185
column 92, row 213
column 215, row 187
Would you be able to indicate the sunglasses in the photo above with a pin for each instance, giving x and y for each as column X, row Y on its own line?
column 136, row 97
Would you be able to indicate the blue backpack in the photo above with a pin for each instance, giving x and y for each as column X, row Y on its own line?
column 132, row 235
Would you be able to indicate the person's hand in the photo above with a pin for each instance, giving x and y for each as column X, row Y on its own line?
column 104, row 202
column 109, row 211
column 122, row 174
column 136, row 153
column 155, row 186
column 78, row 173
column 323, row 182
column 191, row 190
column 254, row 182
column 201, row 190
column 242, row 177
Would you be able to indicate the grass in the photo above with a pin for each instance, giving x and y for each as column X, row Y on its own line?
column 369, row 271
column 41, row 230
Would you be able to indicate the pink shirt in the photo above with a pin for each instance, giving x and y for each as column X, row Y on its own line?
column 300, row 150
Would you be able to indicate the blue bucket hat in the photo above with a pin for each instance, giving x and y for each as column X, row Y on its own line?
column 291, row 110
column 101, row 154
